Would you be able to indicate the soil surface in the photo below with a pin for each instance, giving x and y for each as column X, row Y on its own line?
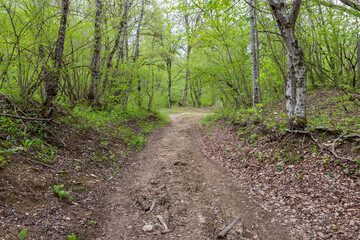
column 195, row 196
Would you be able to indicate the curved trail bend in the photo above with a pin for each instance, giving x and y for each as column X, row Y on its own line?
column 195, row 196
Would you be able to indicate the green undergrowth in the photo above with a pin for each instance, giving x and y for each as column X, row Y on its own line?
column 328, row 110
column 335, row 112
column 180, row 110
column 130, row 126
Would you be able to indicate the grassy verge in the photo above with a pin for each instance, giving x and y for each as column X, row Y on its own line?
column 129, row 127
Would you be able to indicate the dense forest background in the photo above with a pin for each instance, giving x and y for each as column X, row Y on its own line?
column 275, row 83
column 150, row 55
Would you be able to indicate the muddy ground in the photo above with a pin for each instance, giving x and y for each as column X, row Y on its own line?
column 194, row 195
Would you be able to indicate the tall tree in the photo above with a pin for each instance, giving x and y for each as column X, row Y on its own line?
column 95, row 63
column 51, row 80
column 254, row 53
column 188, row 52
column 296, row 86
column 136, row 53
column 125, row 7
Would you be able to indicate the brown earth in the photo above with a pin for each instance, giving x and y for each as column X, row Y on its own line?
column 294, row 174
column 196, row 197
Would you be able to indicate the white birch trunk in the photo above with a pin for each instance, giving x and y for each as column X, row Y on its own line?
column 254, row 54
column 296, row 87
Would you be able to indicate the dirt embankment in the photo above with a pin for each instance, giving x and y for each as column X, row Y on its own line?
column 195, row 196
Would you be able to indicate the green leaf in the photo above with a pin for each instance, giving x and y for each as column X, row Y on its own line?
column 72, row 237
column 22, row 234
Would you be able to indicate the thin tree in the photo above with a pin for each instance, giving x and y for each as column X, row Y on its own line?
column 136, row 54
column 254, row 54
column 51, row 80
column 95, row 63
column 125, row 6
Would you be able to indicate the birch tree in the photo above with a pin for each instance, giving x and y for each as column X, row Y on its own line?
column 296, row 85
column 254, row 54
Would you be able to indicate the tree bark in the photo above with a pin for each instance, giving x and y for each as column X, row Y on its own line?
column 296, row 88
column 115, row 48
column 187, row 26
column 136, row 54
column 168, row 68
column 358, row 64
column 95, row 63
column 254, row 54
column 51, row 81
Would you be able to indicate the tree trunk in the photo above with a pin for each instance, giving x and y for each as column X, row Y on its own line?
column 254, row 54
column 187, row 26
column 168, row 67
column 115, row 48
column 136, row 54
column 95, row 63
column 358, row 64
column 51, row 81
column 120, row 54
column 296, row 87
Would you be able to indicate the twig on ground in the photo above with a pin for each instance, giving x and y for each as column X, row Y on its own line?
column 162, row 221
column 227, row 229
column 152, row 207
column 332, row 150
column 38, row 162
column 25, row 118
column 338, row 139
column 328, row 129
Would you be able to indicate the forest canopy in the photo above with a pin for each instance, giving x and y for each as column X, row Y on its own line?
column 157, row 54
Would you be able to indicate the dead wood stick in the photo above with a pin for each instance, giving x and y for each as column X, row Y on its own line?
column 332, row 150
column 152, row 207
column 227, row 229
column 328, row 129
column 41, row 163
column 25, row 118
column 162, row 221
column 333, row 147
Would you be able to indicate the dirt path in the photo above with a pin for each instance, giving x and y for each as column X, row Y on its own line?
column 196, row 197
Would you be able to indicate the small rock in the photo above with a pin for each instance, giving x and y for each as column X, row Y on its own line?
column 147, row 228
column 201, row 218
column 68, row 218
column 87, row 214
column 154, row 182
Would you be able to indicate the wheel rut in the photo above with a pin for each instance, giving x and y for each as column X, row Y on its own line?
column 195, row 196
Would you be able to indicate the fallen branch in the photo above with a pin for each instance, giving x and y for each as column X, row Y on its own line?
column 162, row 221
column 25, row 118
column 12, row 102
column 41, row 163
column 325, row 129
column 332, row 150
column 338, row 139
column 152, row 207
column 227, row 229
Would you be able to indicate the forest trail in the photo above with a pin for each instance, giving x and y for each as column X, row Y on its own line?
column 195, row 196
